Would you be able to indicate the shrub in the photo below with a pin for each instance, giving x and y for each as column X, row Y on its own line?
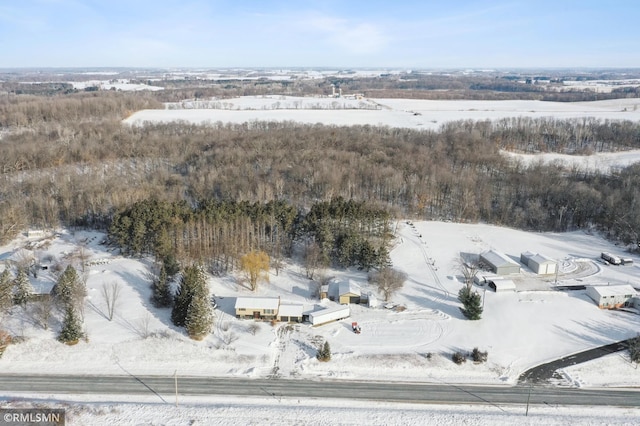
column 478, row 356
column 459, row 358
column 324, row 354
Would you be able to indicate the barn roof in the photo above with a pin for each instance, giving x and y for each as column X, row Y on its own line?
column 348, row 287
column 498, row 259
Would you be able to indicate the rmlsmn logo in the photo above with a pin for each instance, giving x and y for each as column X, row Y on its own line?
column 31, row 416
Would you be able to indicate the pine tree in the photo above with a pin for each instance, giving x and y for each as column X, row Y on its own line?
column 324, row 354
column 69, row 290
column 22, row 288
column 161, row 296
column 6, row 290
column 199, row 318
column 471, row 302
column 71, row 327
column 192, row 281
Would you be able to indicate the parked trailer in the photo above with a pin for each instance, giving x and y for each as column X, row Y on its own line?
column 612, row 259
column 334, row 313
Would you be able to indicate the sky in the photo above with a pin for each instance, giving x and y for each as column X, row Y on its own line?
column 320, row 33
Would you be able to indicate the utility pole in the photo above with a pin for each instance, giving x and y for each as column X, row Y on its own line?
column 175, row 377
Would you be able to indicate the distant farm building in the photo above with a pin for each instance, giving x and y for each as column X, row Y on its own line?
column 538, row 263
column 257, row 307
column 612, row 296
column 499, row 263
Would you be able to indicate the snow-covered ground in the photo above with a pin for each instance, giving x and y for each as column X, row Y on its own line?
column 123, row 85
column 404, row 113
column 82, row 410
column 413, row 344
column 519, row 330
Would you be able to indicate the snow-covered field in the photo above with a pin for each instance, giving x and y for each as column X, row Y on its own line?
column 404, row 113
column 519, row 330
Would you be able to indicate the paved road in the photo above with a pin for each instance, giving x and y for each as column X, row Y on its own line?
column 544, row 372
column 164, row 388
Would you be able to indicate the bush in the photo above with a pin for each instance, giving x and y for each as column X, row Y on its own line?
column 479, row 356
column 459, row 358
column 324, row 354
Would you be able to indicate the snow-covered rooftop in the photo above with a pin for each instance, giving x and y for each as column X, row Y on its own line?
column 257, row 303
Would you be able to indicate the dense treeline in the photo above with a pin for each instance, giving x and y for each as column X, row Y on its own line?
column 76, row 164
column 219, row 233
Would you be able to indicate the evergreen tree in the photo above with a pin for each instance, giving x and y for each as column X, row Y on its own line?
column 191, row 282
column 471, row 302
column 71, row 327
column 199, row 318
column 6, row 290
column 69, row 290
column 22, row 288
column 324, row 354
column 161, row 296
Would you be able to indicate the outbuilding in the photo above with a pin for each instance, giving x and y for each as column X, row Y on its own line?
column 612, row 296
column 499, row 263
column 329, row 314
column 502, row 285
column 349, row 292
column 538, row 263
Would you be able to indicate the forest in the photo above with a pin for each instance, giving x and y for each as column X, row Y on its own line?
column 67, row 160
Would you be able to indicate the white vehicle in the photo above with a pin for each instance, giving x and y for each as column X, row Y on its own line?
column 610, row 258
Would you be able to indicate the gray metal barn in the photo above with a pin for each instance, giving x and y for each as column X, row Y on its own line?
column 499, row 263
column 539, row 263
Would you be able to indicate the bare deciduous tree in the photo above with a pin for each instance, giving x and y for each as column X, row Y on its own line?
column 388, row 280
column 43, row 311
column 468, row 264
column 110, row 295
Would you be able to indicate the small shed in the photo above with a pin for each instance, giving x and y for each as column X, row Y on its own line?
column 612, row 296
column 502, row 285
column 349, row 292
column 324, row 291
column 290, row 313
column 499, row 263
column 257, row 307
column 538, row 263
